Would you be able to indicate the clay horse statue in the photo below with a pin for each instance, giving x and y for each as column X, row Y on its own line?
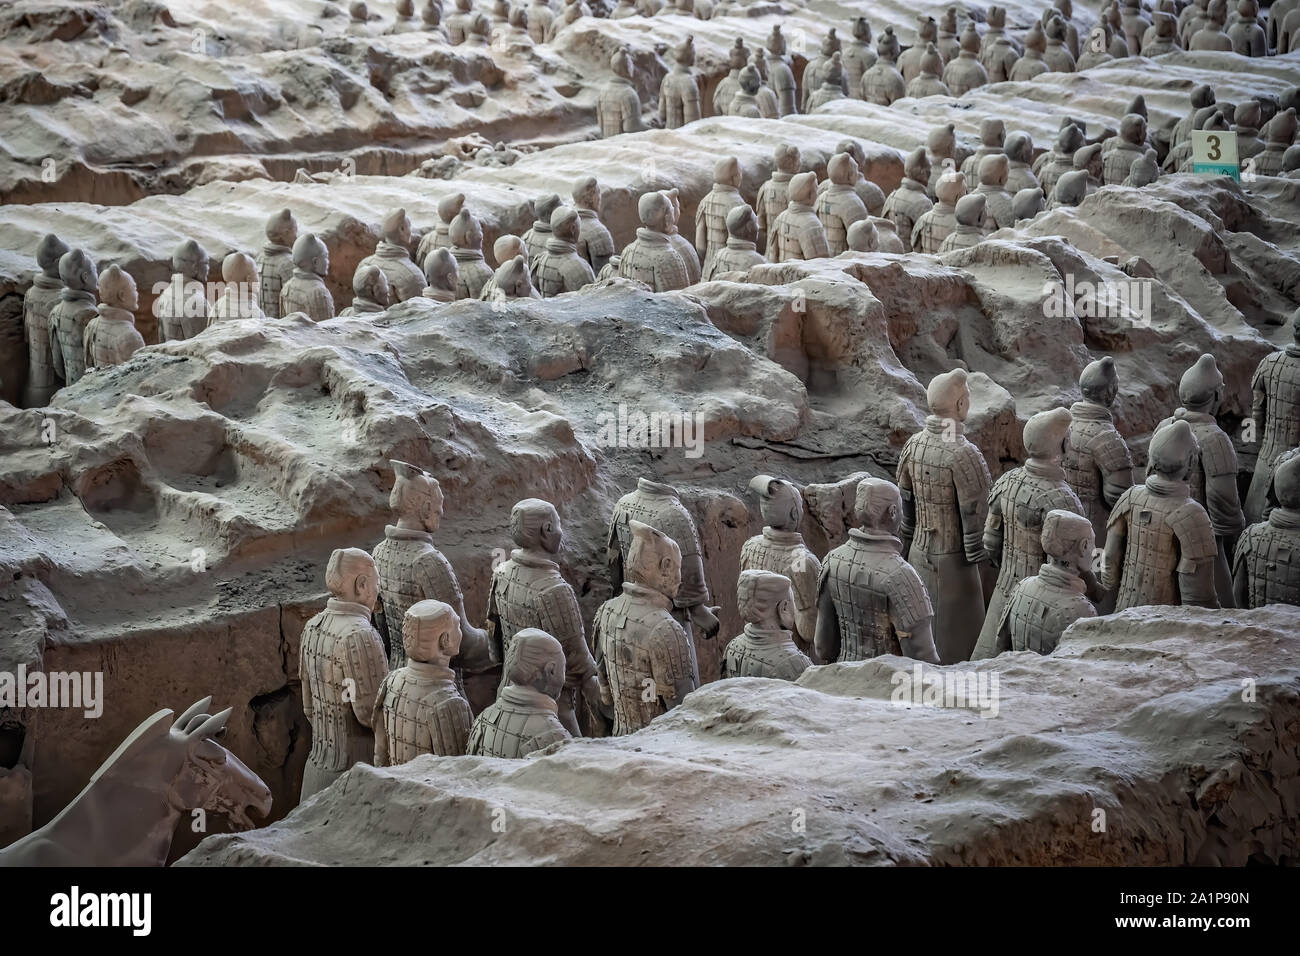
column 128, row 812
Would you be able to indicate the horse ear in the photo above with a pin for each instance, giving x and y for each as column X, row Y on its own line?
column 199, row 707
column 212, row 726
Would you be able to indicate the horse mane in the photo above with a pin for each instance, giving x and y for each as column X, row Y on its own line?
column 148, row 730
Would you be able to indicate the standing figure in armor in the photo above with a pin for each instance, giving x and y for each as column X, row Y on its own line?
column 765, row 647
column 1275, row 406
column 38, row 303
column 797, row 233
column 1043, row 605
column 618, row 108
column 679, row 92
column 182, row 309
column 909, row 202
column 305, row 290
column 559, row 268
column 523, row 718
column 773, row 194
column 595, row 244
column 275, row 261
column 780, row 549
column 74, row 311
column 1265, row 567
column 711, row 214
column 779, row 74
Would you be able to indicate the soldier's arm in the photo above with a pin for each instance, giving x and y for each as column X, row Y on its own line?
column 496, row 650
column 701, row 227
column 1112, row 555
column 1002, row 642
column 565, row 619
column 972, row 486
column 1240, row 573
column 1258, row 399
column 815, row 244
column 670, row 664
column 911, row 615
column 1222, row 500
column 303, row 682
column 691, row 102
column 87, row 344
column 826, row 639
column 907, row 528
column 1115, row 463
column 474, row 742
column 381, row 729
column 631, row 114
column 806, row 574
column 993, row 526
column 602, row 674
column 1197, row 549
column 452, row 726
column 552, row 735
column 56, row 351
column 663, row 104
column 614, row 555
column 365, row 665
column 761, row 214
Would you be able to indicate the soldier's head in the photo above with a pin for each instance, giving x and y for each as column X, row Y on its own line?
column 621, row 63
column 191, row 261
column 518, row 18
column 1171, row 450
column 970, row 210
column 994, row 169
column 431, row 14
column 357, row 9
column 931, row 61
column 371, row 283
column 1045, row 434
column 310, row 254
column 240, row 269
column 750, row 80
column 949, row 395
column 282, row 228
column 970, row 39
column 1072, row 188
column 997, row 17
column 1055, row 30
column 842, row 170
column 726, row 171
column 1286, row 481
column 1069, row 140
column 405, row 9
column 1028, row 202
column 464, row 6
column 653, row 560
column 506, row 248
column 1133, row 129
column 465, row 232
column 480, row 26
column 535, row 525
column 1282, row 128
column 416, row 497
column 742, row 223
column 1217, row 12
column 854, row 149
column 441, row 271
column 830, row 43
column 787, row 158
column 351, row 575
column 1099, row 382
column 942, row 140
column 586, row 193
column 950, row 187
column 656, row 211
column 1066, row 7
column 1137, row 105
column 834, row 75
column 887, row 45
column 1019, row 147
column 776, row 41
column 685, row 52
column 878, row 506
column 863, row 236
column 1143, row 171
column 1201, row 387
column 77, row 270
column 948, row 22
column 431, row 632
column 927, row 29
column 917, row 165
column 993, row 133
column 1247, row 115
column 513, row 280
column 765, row 599
column 862, row 30
column 397, row 228
column 450, row 206
column 1068, row 540
column 117, row 289
column 536, row 660
column 565, row 224
column 738, row 55
column 1202, row 96
column 48, row 254
column 1035, row 40
column 779, row 502
column 544, row 206
column 802, row 188
column 674, row 203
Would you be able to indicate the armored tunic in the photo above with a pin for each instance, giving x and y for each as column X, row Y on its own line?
column 679, row 98
column 905, row 206
column 686, row 252
column 926, row 84
column 111, row 338
column 781, row 78
column 873, row 595
column 595, row 244
column 963, row 237
column 797, row 234
column 1267, row 559
column 473, row 272
column 68, row 321
column 1098, row 467
column 857, row 57
column 839, row 207
column 232, row 304
column 1028, row 66
column 618, row 109
column 814, row 77
column 882, row 84
column 651, row 258
column 560, row 269
column 420, row 711
column 764, row 652
column 828, row 92
column 658, row 506
column 727, row 88
column 274, row 269
column 521, row 721
column 784, row 552
column 38, row 303
column 1118, row 159
column 306, row 292
column 1275, row 404
column 771, row 202
column 439, row 237
column 405, row 280
column 998, row 58
column 999, row 206
column 535, row 240
column 1019, row 176
column 711, row 221
column 748, row 104
column 934, row 227
column 341, row 666
column 1040, row 609
column 965, row 73
column 738, row 255
column 643, row 656
column 182, row 310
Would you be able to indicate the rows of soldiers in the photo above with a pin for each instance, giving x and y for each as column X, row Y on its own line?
column 911, row 579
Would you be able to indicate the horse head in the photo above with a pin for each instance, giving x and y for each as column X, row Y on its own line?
column 210, row 776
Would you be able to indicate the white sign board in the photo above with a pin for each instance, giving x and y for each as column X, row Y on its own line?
column 1215, row 152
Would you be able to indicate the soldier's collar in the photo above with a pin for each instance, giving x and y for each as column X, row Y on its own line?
column 655, row 488
column 650, row 594
column 1168, row 487
column 1090, row 411
column 467, row 255
column 438, row 295
column 1284, row 518
column 938, row 424
column 561, row 246
column 913, row 184
column 42, row 281
column 275, row 249
column 725, row 188
column 1293, row 350
column 767, row 635
column 1044, row 469
column 77, row 295
column 407, row 534
column 364, row 306
column 876, row 539
column 734, row 243
column 1062, row 578
column 781, row 176
column 113, row 314
column 304, row 274
column 585, row 213
column 777, row 536
column 430, row 670
column 1182, row 414
column 340, row 606
column 521, row 695
column 531, row 559
column 646, row 234
column 391, row 250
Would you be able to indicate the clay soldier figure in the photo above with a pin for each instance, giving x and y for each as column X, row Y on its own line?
column 1165, row 38
column 993, row 137
column 1211, row 36
column 711, row 214
column 1246, row 122
column 857, row 57
column 505, row 249
column 1018, row 503
column 928, row 81
column 941, row 150
column 559, row 268
column 341, row 666
column 781, row 550
column 650, row 257
column 528, row 591
column 998, row 53
column 769, row 107
column 863, row 236
column 431, row 19
column 68, row 319
column 111, row 336
column 182, row 309
column 418, row 709
column 618, row 108
column 658, row 506
column 814, row 74
column 1278, row 134
column 1071, row 189
column 1031, row 64
column 839, row 207
column 512, row 281
column 441, row 276
column 737, row 60
column 679, row 93
column 941, row 220
column 539, row 233
column 1097, row 463
column 595, row 244
column 909, row 62
column 1043, row 605
column 773, row 194
column 1027, row 204
column 38, row 303
column 832, row 87
column 238, row 300
column 881, row 82
column 369, row 292
column 1095, row 51
column 305, row 291
column 1120, row 151
column 523, row 718
column 909, row 202
column 467, row 248
column 685, row 251
column 965, row 72
column 870, row 600
column 411, row 569
column 1019, row 148
column 970, row 215
column 740, row 253
column 765, row 647
column 1264, row 568
column 797, row 233
column 999, row 211
column 1057, row 56
column 996, row 28
column 779, row 74
column 947, row 43
column 746, row 102
column 644, row 658
column 541, row 22
column 439, row 237
column 1060, row 161
column 1246, row 34
column 944, row 483
column 1203, row 104
column 1212, row 476
column 1088, row 159
column 1160, row 546
column 393, row 257
column 1275, row 409
column 575, row 10
column 1144, row 170
column 458, row 23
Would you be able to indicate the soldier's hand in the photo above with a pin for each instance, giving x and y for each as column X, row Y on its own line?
column 706, row 619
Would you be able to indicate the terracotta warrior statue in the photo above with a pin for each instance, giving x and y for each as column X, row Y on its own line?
column 993, row 137
column 998, row 52
column 753, row 99
column 650, row 257
column 832, row 85
column 539, row 233
column 341, row 666
column 711, row 214
column 441, row 276
column 523, row 718
column 644, row 657
column 780, row 549
column 882, row 83
column 941, row 150
column 239, row 298
column 740, row 254
column 505, row 249
column 909, row 62
column 111, row 336
column 729, row 85
column 1160, row 546
column 685, row 250
column 1071, row 189
column 797, row 233
column 68, row 319
column 559, row 268
column 370, row 291
column 679, row 93
column 466, row 237
column 909, row 202
column 971, row 214
column 939, row 221
column 412, row 569
column 1019, row 148
column 182, row 309
column 458, row 23
column 1057, row 55
column 1058, row 162
column 839, row 206
column 929, row 81
column 1027, row 204
column 1275, row 408
column 595, row 244
column 511, row 281
column 439, row 237
column 1043, row 605
column 857, row 57
column 773, row 194
column 944, row 482
column 1098, row 466
column 947, row 44
column 1031, row 63
column 305, row 291
column 1021, row 497
column 765, row 648
column 814, row 73
column 863, row 236
column 999, row 207
column 38, row 303
column 529, row 592
column 870, row 601
column 966, row 72
column 393, row 258
column 1279, row 133
column 1120, row 151
column 872, row 196
column 1264, row 569
column 779, row 74
column 1212, row 477
column 419, row 709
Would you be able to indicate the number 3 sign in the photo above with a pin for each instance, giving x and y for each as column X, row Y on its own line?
column 1215, row 152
